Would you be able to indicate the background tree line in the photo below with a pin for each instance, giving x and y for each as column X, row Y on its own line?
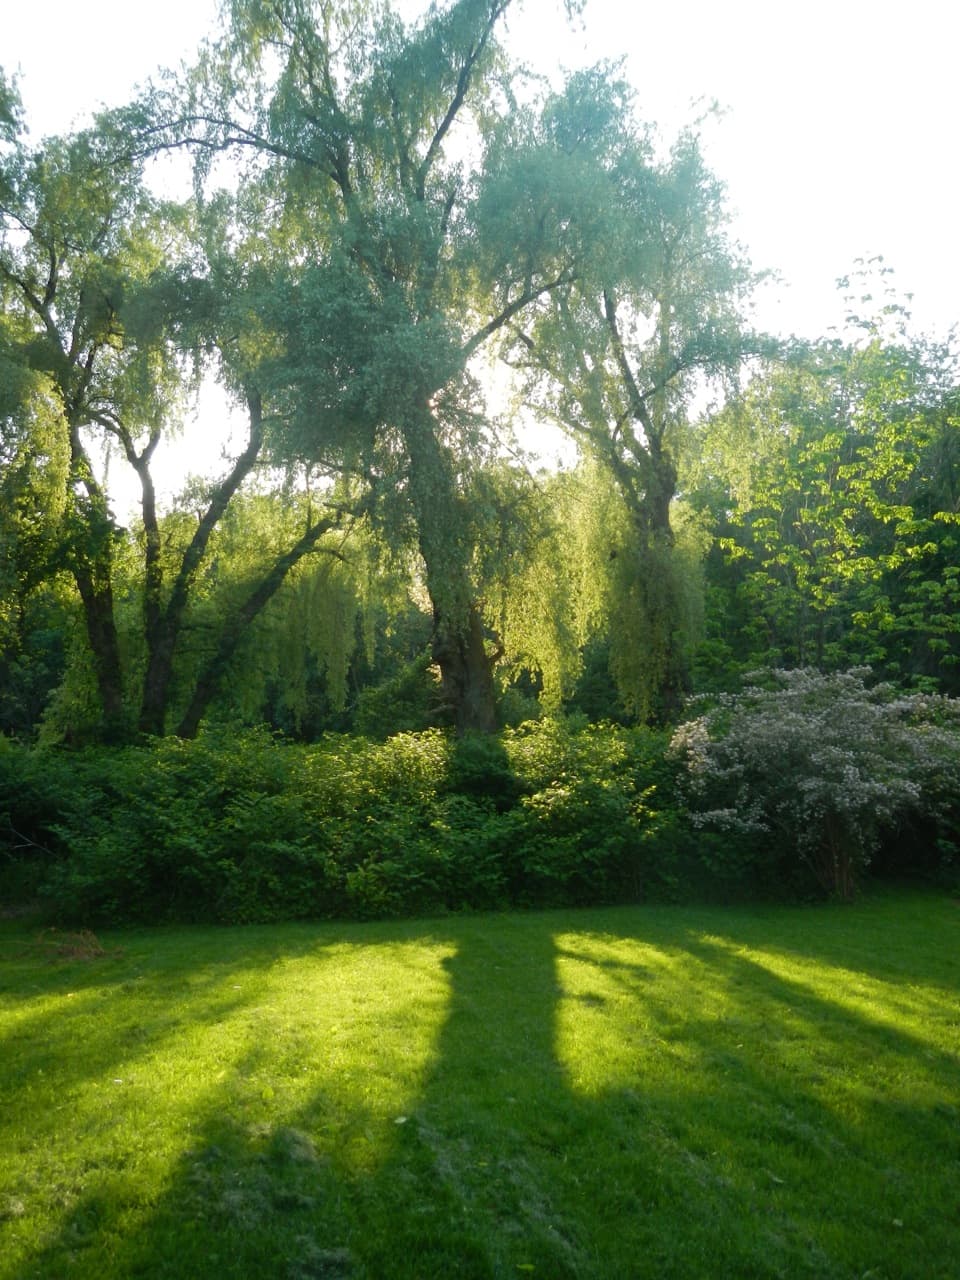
column 378, row 207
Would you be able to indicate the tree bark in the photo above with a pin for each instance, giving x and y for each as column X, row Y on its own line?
column 466, row 672
column 91, row 563
column 97, row 599
column 459, row 647
column 164, row 625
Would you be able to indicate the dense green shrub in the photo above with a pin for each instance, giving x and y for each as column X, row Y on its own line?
column 243, row 828
column 824, row 768
column 409, row 701
column 36, row 790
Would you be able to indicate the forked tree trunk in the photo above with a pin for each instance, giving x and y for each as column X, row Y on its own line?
column 164, row 623
column 211, row 678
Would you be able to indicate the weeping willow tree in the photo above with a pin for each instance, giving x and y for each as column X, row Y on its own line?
column 324, row 620
column 523, row 580
column 280, row 587
column 77, row 235
column 655, row 616
column 113, row 302
column 309, row 628
column 555, row 573
column 391, row 166
column 615, row 357
column 581, row 586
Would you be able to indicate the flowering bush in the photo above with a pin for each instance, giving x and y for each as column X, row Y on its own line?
column 824, row 763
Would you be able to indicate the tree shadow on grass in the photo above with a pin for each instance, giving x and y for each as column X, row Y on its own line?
column 890, row 932
column 590, row 1098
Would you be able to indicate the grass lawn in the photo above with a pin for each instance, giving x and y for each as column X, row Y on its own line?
column 608, row 1093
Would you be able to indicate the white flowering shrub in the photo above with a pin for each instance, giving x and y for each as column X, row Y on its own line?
column 823, row 763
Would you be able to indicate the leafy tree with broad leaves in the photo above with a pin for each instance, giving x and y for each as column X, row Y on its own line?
column 839, row 510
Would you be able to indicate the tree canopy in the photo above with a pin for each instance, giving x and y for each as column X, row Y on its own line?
column 380, row 209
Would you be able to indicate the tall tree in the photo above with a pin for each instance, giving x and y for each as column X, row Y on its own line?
column 75, row 232
column 373, row 141
column 110, row 299
column 34, row 461
column 616, row 355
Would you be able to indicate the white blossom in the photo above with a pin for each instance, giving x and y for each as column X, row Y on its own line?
column 825, row 761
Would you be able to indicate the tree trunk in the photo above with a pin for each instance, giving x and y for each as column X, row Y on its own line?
column 459, row 647
column 163, row 626
column 92, row 566
column 102, row 637
column 667, row 593
column 466, row 673
column 647, row 478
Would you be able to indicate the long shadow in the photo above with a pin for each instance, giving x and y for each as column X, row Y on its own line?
column 511, row 1158
column 223, row 1204
column 893, row 933
column 791, row 985
column 95, row 1051
column 494, row 1106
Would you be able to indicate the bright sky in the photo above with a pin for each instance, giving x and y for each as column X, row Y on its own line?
column 840, row 137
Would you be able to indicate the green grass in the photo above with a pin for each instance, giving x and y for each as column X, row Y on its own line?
column 607, row 1093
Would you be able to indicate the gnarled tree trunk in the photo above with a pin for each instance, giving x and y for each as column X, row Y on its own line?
column 459, row 645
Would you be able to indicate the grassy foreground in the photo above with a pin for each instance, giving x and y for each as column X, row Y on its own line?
column 609, row 1093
